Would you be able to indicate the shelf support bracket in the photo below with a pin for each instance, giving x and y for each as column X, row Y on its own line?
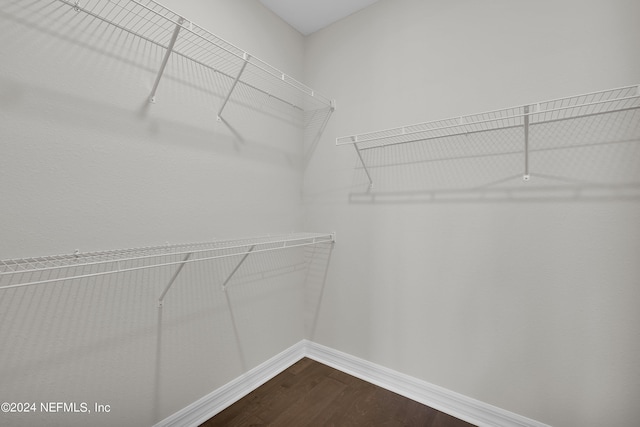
column 173, row 279
column 224, row 284
column 355, row 145
column 245, row 57
column 526, row 176
column 167, row 54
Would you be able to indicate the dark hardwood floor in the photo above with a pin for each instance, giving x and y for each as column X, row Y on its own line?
column 312, row 394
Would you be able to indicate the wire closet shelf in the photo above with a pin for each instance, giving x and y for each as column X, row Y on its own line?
column 15, row 273
column 526, row 116
column 162, row 27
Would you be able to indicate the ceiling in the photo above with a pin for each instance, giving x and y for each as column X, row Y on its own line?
column 308, row 16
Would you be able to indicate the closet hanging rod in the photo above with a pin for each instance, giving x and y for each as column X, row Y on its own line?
column 460, row 122
column 282, row 242
column 201, row 42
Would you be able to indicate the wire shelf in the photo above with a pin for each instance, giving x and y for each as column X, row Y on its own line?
column 48, row 269
column 608, row 101
column 162, row 27
column 575, row 109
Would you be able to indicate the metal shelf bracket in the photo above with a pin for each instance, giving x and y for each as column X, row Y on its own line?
column 173, row 279
column 526, row 177
column 174, row 37
column 245, row 58
column 224, row 284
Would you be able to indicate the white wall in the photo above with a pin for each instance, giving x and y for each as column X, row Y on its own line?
column 527, row 305
column 79, row 156
column 87, row 163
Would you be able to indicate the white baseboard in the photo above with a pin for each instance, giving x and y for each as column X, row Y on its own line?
column 209, row 405
column 447, row 401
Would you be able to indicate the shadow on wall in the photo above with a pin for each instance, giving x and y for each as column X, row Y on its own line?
column 234, row 313
column 107, row 339
column 585, row 158
column 104, row 48
column 35, row 103
column 318, row 260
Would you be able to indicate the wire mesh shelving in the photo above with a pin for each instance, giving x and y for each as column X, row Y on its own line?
column 526, row 118
column 15, row 273
column 181, row 37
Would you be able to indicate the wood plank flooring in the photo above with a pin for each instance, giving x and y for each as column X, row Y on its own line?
column 312, row 394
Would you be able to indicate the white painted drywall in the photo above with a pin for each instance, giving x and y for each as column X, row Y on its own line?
column 526, row 306
column 530, row 306
column 84, row 169
column 86, row 163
